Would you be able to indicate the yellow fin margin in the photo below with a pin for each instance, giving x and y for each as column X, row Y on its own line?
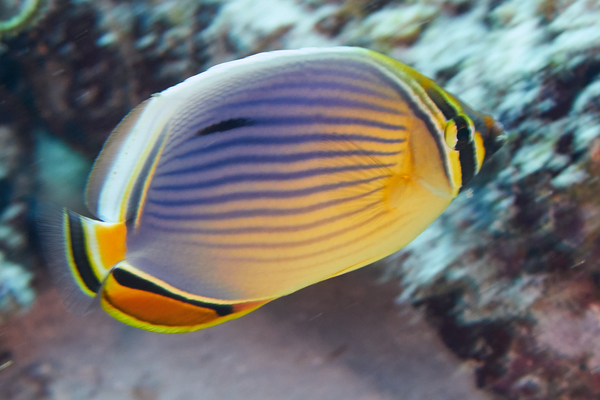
column 79, row 252
column 145, row 302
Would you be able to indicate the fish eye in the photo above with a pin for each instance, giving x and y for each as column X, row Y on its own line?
column 459, row 132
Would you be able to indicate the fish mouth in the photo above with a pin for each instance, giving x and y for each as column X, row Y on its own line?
column 495, row 138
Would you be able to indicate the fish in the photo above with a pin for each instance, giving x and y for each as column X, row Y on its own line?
column 259, row 177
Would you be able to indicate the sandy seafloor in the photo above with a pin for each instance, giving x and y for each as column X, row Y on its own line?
column 341, row 339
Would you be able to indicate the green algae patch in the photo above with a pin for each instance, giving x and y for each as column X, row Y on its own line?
column 30, row 13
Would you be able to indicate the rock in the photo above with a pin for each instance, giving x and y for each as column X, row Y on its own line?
column 509, row 274
column 15, row 261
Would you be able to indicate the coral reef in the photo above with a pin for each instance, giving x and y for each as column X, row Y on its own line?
column 15, row 184
column 86, row 64
column 509, row 275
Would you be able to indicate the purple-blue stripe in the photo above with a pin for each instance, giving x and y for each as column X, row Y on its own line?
column 289, row 120
column 300, row 78
column 192, row 151
column 316, row 101
column 263, row 194
column 296, row 243
column 321, row 78
column 263, row 229
column 257, row 212
column 273, row 159
column 267, row 176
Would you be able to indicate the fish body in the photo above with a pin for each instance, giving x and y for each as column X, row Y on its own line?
column 259, row 177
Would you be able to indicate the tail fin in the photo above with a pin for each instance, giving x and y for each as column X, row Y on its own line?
column 79, row 252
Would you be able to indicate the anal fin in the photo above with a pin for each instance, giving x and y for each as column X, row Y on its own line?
column 143, row 301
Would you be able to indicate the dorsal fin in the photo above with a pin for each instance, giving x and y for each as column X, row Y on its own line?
column 104, row 161
column 125, row 158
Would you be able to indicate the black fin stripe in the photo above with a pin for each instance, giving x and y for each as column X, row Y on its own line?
column 466, row 157
column 445, row 107
column 132, row 281
column 135, row 199
column 226, row 125
column 82, row 263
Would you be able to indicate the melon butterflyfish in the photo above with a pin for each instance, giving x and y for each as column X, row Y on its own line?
column 259, row 177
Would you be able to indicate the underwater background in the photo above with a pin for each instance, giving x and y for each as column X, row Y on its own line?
column 497, row 299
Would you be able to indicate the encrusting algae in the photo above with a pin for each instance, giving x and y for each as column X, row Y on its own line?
column 30, row 13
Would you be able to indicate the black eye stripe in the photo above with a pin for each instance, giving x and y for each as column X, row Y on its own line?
column 441, row 103
column 466, row 149
column 466, row 157
column 464, row 135
column 461, row 123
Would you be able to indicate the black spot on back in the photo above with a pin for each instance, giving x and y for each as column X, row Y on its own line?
column 226, row 125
